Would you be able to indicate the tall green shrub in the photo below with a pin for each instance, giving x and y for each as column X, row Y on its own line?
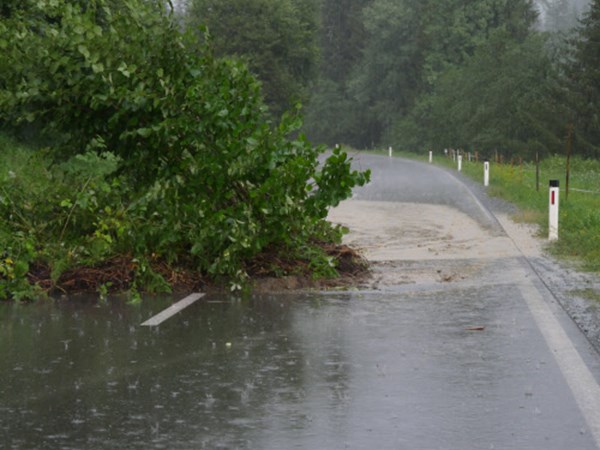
column 207, row 180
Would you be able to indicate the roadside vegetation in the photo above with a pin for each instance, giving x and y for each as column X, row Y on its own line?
column 150, row 162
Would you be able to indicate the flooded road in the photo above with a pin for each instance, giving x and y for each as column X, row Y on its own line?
column 351, row 370
column 463, row 365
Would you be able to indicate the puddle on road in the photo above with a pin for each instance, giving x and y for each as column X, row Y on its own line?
column 88, row 376
column 347, row 370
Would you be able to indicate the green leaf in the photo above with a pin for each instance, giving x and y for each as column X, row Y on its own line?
column 123, row 69
column 83, row 50
column 98, row 68
column 54, row 67
column 144, row 132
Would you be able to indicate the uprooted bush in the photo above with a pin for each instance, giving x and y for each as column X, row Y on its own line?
column 154, row 150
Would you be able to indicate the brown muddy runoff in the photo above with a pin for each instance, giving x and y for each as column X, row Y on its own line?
column 423, row 243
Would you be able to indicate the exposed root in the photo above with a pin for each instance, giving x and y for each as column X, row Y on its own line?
column 117, row 274
column 272, row 273
column 350, row 262
column 271, row 263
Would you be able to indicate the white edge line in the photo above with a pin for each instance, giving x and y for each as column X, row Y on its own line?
column 582, row 383
column 172, row 310
column 486, row 212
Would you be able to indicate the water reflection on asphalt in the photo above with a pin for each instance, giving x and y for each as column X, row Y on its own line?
column 313, row 371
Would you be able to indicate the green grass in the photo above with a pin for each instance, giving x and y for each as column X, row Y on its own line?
column 17, row 168
column 579, row 222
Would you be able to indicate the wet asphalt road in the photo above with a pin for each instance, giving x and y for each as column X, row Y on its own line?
column 396, row 369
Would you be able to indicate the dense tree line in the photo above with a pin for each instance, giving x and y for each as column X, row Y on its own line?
column 582, row 72
column 503, row 74
column 276, row 39
column 477, row 74
column 472, row 75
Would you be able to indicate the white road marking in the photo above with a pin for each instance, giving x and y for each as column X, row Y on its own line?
column 582, row 383
column 486, row 212
column 172, row 310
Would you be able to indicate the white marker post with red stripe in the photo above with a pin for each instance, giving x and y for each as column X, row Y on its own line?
column 486, row 173
column 553, row 211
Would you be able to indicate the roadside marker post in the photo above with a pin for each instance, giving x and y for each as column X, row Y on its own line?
column 430, row 157
column 390, row 151
column 459, row 163
column 486, row 173
column 553, row 211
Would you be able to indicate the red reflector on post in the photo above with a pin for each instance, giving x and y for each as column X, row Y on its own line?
column 553, row 211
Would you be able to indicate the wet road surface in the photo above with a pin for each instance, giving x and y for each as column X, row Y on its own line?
column 484, row 364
